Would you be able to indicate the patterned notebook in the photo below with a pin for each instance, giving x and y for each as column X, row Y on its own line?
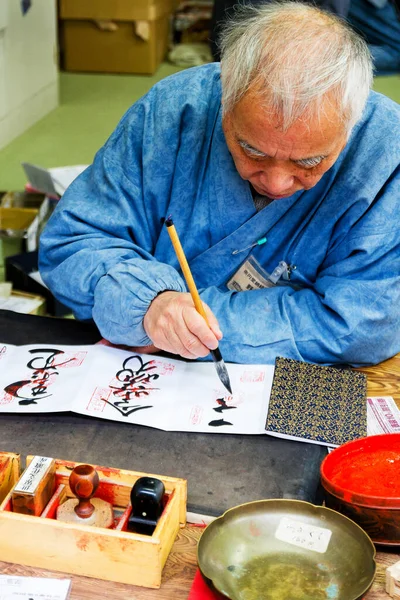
column 323, row 405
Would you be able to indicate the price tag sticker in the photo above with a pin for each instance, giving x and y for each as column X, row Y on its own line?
column 303, row 535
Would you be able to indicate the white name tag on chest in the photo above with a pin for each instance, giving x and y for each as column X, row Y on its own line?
column 247, row 277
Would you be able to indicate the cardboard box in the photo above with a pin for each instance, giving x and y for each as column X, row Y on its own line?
column 22, row 217
column 23, row 200
column 19, row 225
column 19, row 271
column 15, row 222
column 115, row 36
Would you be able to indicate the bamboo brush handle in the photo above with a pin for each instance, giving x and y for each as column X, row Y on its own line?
column 186, row 269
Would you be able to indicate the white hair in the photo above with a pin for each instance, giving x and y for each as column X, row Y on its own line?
column 296, row 58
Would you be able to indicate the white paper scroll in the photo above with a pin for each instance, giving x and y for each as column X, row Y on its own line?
column 119, row 385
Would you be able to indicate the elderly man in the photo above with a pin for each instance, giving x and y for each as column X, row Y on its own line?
column 281, row 172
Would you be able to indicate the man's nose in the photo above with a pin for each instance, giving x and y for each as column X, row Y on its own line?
column 276, row 181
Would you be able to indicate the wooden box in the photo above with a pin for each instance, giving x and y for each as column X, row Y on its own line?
column 9, row 472
column 110, row 554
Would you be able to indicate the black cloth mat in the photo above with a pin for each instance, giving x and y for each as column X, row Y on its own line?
column 16, row 328
column 222, row 470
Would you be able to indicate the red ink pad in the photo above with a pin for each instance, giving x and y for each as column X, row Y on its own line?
column 361, row 480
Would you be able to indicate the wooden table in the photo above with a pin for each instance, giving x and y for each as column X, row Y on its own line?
column 383, row 380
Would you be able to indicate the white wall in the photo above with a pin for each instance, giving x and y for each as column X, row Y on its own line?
column 28, row 65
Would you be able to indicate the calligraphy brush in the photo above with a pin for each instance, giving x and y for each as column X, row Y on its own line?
column 220, row 366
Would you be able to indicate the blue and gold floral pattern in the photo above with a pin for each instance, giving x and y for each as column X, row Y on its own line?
column 323, row 404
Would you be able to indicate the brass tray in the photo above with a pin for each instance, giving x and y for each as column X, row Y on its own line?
column 286, row 550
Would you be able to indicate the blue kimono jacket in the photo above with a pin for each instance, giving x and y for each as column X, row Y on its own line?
column 106, row 254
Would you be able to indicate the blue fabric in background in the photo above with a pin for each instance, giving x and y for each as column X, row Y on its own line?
column 379, row 23
column 25, row 6
column 106, row 254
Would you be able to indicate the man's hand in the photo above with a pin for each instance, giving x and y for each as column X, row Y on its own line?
column 143, row 349
column 174, row 325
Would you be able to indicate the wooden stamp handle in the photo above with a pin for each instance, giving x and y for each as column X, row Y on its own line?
column 84, row 481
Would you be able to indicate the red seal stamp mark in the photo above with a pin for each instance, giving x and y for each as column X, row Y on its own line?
column 196, row 415
column 98, row 400
column 252, row 376
column 70, row 359
column 163, row 368
column 6, row 398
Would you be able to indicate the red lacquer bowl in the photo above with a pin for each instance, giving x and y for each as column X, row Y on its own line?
column 361, row 480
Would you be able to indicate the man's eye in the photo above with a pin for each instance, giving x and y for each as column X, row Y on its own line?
column 309, row 163
column 254, row 155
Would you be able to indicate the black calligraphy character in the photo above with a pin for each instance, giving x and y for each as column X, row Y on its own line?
column 222, row 405
column 47, row 362
column 126, row 373
column 14, row 388
column 136, row 379
column 43, row 369
column 124, row 409
column 219, row 423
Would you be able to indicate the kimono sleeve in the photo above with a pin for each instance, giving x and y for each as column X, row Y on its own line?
column 96, row 252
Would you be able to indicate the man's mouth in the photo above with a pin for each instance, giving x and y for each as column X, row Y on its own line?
column 268, row 195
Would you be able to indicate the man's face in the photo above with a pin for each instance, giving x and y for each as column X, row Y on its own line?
column 277, row 163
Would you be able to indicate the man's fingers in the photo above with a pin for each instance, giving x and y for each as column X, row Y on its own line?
column 174, row 325
column 176, row 345
column 144, row 349
column 213, row 322
column 197, row 325
column 187, row 334
column 166, row 340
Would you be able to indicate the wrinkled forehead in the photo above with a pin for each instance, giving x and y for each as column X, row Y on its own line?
column 261, row 124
